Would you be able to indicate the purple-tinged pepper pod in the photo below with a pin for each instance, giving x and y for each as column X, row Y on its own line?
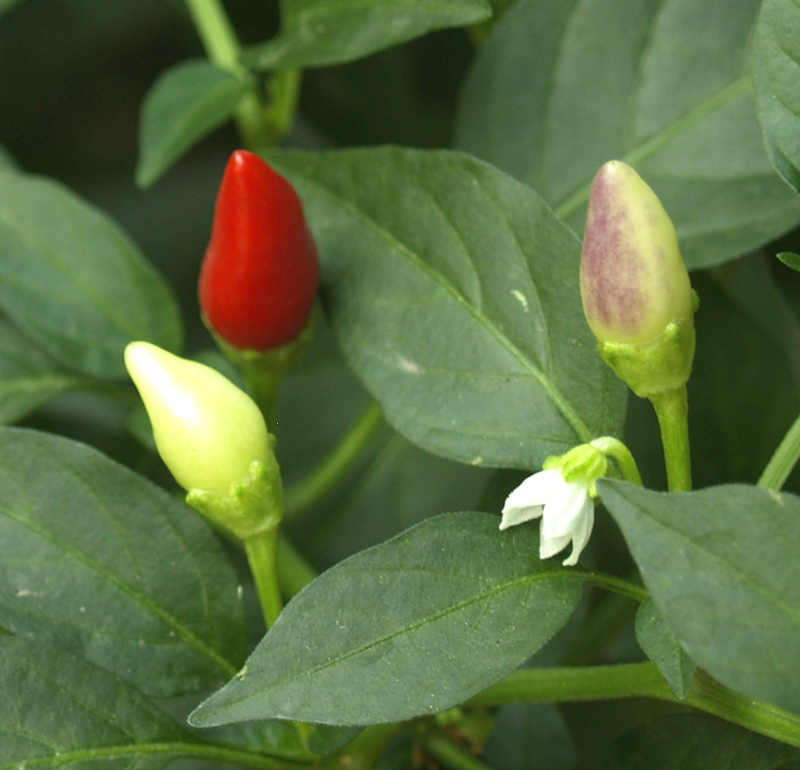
column 634, row 285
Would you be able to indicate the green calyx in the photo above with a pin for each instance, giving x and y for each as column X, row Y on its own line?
column 657, row 366
column 263, row 369
column 252, row 505
column 589, row 462
column 584, row 463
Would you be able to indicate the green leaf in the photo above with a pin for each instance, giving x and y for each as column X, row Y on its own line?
column 661, row 646
column 74, row 282
column 28, row 377
column 697, row 742
column 316, row 33
column 281, row 738
column 102, row 563
column 412, row 626
column 58, row 710
column 722, row 567
column 789, row 259
column 776, row 69
column 187, row 102
column 7, row 162
column 454, row 293
column 560, row 88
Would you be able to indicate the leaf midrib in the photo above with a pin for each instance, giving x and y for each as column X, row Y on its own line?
column 572, row 202
column 167, row 618
column 450, row 609
column 744, row 577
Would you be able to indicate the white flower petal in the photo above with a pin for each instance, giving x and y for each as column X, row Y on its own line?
column 580, row 537
column 514, row 516
column 566, row 508
column 536, row 490
column 551, row 546
column 562, row 514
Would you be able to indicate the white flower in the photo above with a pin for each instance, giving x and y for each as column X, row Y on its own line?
column 566, row 508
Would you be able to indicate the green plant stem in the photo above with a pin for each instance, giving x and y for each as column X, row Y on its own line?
column 294, row 572
column 614, row 448
column 672, row 409
column 630, row 680
column 441, row 748
column 284, row 92
column 264, row 385
column 611, row 583
column 261, row 549
column 222, row 47
column 709, row 695
column 783, row 461
column 329, row 472
column 579, row 683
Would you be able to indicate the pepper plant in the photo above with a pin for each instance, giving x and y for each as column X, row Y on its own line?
column 459, row 433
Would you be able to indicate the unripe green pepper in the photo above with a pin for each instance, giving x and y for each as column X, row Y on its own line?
column 635, row 288
column 207, row 431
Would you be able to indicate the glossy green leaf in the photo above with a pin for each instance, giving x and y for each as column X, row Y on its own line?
column 661, row 646
column 454, row 293
column 696, row 742
column 74, row 282
column 57, row 710
column 100, row 562
column 319, row 32
column 789, row 259
column 776, row 69
column 560, row 88
column 28, row 377
column 723, row 570
column 413, row 626
column 187, row 102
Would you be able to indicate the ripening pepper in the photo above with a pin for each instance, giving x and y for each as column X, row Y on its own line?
column 260, row 274
column 207, row 431
column 635, row 288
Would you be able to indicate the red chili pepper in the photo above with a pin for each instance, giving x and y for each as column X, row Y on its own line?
column 260, row 273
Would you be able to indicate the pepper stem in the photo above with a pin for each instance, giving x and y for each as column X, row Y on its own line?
column 222, row 46
column 672, row 409
column 335, row 465
column 614, row 448
column 783, row 461
column 261, row 549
